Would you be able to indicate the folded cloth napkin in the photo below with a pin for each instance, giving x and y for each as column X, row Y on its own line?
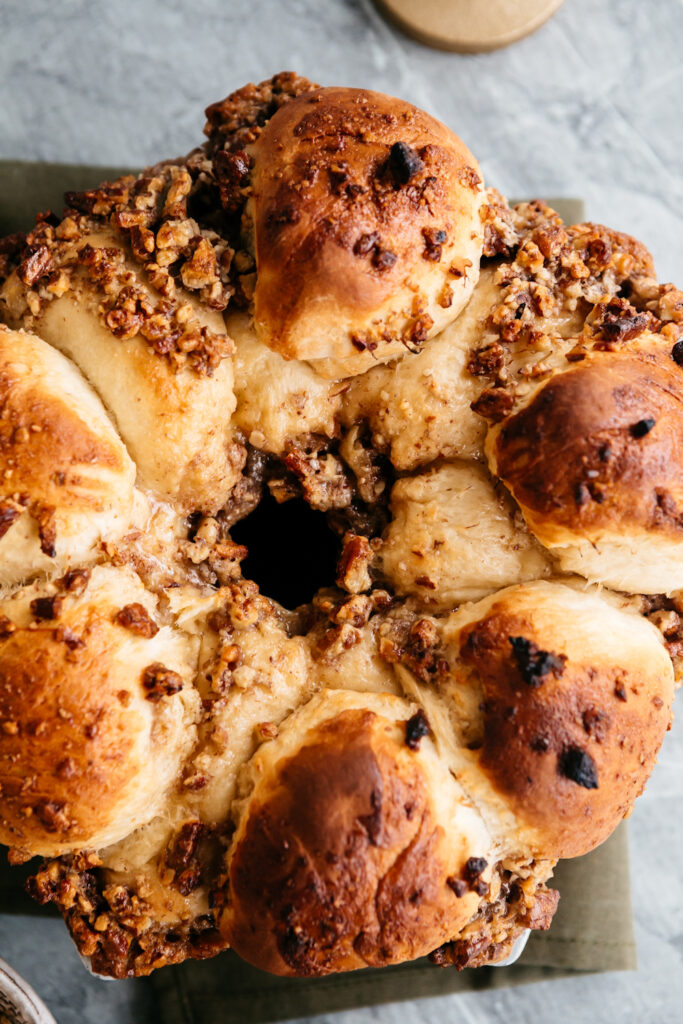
column 592, row 930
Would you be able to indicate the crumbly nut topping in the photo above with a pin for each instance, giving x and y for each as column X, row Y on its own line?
column 182, row 223
column 236, row 121
column 116, row 926
column 551, row 270
column 510, row 905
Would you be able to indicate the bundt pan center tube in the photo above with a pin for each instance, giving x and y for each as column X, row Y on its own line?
column 341, row 545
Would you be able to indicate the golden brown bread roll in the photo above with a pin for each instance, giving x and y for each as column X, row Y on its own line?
column 454, row 537
column 341, row 859
column 366, row 228
column 384, row 770
column 66, row 480
column 592, row 459
column 557, row 703
column 96, row 709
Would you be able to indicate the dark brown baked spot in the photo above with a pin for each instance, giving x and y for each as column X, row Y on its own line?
column 642, row 427
column 578, row 766
column 535, row 664
column 416, row 728
column 404, row 162
column 458, row 885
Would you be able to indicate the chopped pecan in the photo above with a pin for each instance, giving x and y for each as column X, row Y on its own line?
column 160, row 681
column 137, row 619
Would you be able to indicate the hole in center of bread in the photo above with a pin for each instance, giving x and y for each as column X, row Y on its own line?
column 292, row 551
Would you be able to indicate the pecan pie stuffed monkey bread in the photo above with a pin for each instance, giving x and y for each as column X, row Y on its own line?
column 475, row 407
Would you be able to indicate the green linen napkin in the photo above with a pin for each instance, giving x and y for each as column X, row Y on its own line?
column 592, row 932
column 593, row 927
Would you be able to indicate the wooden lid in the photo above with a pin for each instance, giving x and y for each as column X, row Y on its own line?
column 468, row 26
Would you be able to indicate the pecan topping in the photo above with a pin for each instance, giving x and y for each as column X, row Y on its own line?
column 458, row 885
column 595, row 723
column 365, row 244
column 471, row 879
column 47, row 531
column 47, row 607
column 434, row 243
column 493, row 404
column 382, row 259
column 66, row 636
column 617, row 320
column 75, row 581
column 35, row 265
column 137, row 619
column 53, row 816
column 352, row 572
column 232, row 175
column 160, row 681
column 7, row 627
column 8, row 515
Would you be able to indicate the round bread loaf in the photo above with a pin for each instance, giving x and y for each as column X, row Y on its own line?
column 339, row 536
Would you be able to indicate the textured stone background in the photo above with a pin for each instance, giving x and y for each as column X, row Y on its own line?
column 590, row 106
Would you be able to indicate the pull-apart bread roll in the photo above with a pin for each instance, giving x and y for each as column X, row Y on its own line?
column 593, row 457
column 97, row 712
column 160, row 364
column 66, row 480
column 317, row 357
column 341, row 859
column 366, row 228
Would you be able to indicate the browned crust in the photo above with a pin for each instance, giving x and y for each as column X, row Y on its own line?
column 334, row 224
column 596, row 450
column 610, row 719
column 67, row 727
column 340, row 864
column 44, row 446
